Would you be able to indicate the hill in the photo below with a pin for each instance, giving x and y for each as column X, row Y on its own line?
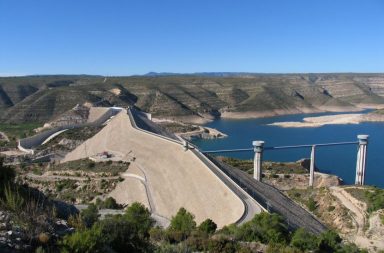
column 190, row 97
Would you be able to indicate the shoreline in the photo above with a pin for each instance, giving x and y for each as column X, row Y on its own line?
column 349, row 116
column 338, row 119
column 206, row 133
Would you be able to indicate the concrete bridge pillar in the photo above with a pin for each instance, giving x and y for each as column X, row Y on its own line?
column 185, row 145
column 361, row 159
column 312, row 166
column 258, row 147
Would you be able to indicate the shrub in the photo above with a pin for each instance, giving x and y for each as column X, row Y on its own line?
column 375, row 199
column 222, row 245
column 91, row 164
column 264, row 227
column 303, row 240
column 157, row 234
column 7, row 174
column 140, row 217
column 328, row 241
column 207, row 226
column 122, row 235
column 109, row 203
column 39, row 250
column 182, row 224
column 12, row 198
column 76, row 222
column 84, row 241
column 311, row 204
column 90, row 215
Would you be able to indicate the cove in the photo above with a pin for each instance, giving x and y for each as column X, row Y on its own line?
column 337, row 160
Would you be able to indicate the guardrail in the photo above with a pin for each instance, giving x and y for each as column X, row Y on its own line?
column 134, row 125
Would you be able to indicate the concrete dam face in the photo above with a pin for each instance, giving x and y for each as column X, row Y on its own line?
column 162, row 175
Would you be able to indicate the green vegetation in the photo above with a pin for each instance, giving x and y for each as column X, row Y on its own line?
column 16, row 131
column 373, row 196
column 182, row 225
column 265, row 228
column 114, row 168
column 208, row 227
column 311, row 204
column 90, row 215
column 174, row 127
column 272, row 169
column 120, row 233
column 31, row 213
column 108, row 203
column 135, row 231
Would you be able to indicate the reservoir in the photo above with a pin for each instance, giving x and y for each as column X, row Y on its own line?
column 338, row 160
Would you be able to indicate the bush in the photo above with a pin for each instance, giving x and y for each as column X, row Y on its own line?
column 12, row 198
column 222, row 245
column 140, row 217
column 328, row 241
column 84, row 241
column 118, row 233
column 375, row 199
column 7, row 175
column 109, row 203
column 265, row 228
column 121, row 235
column 311, row 204
column 281, row 248
column 207, row 227
column 157, row 234
column 91, row 164
column 76, row 222
column 303, row 240
column 90, row 215
column 182, row 224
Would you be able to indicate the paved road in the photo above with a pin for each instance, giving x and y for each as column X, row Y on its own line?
column 144, row 123
column 272, row 199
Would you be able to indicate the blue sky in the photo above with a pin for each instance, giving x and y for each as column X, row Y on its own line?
column 124, row 37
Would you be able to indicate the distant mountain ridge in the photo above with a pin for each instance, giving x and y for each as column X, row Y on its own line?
column 189, row 96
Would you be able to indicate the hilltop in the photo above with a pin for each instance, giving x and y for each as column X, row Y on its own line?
column 197, row 98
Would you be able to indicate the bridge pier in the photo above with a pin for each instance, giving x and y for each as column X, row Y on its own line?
column 257, row 161
column 312, row 166
column 361, row 159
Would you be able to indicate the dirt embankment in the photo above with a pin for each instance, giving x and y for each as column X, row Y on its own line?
column 341, row 211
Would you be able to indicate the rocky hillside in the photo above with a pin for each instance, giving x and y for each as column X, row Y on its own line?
column 42, row 98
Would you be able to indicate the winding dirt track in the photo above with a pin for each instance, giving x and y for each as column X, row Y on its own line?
column 360, row 218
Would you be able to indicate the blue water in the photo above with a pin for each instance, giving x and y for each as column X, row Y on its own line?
column 338, row 160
